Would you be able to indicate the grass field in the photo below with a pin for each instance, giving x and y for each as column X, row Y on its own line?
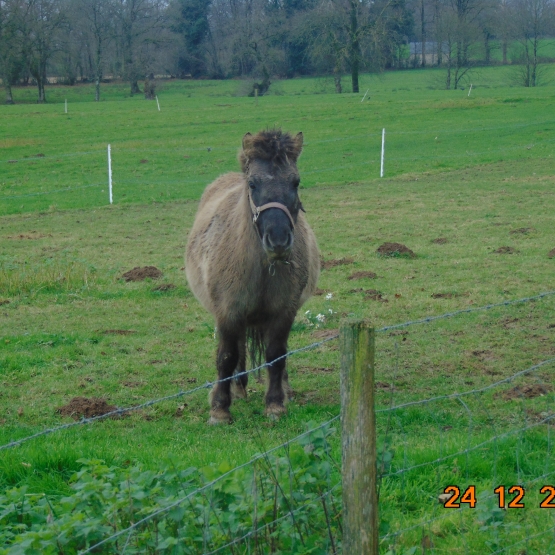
column 475, row 171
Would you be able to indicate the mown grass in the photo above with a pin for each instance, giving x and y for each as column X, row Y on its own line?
column 62, row 294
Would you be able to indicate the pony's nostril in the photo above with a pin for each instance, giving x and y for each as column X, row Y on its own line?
column 278, row 244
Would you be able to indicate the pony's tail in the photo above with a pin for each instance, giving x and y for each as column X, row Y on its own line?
column 255, row 346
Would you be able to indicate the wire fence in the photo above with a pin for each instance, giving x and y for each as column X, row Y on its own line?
column 414, row 456
column 393, row 478
column 391, row 156
column 208, row 385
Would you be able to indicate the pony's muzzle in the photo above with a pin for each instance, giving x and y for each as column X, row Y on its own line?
column 278, row 244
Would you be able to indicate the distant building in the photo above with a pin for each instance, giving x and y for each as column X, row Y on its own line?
column 430, row 53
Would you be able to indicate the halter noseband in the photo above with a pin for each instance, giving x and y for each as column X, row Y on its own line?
column 257, row 210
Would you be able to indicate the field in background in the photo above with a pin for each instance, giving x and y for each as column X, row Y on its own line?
column 50, row 159
column 475, row 172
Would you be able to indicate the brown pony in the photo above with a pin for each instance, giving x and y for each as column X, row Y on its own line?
column 252, row 261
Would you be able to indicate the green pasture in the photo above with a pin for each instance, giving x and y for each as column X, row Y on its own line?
column 50, row 159
column 475, row 171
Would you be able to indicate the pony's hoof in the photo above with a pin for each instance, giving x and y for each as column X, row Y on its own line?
column 238, row 391
column 274, row 411
column 219, row 416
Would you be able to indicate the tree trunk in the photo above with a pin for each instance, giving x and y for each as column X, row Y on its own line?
column 534, row 63
column 9, row 97
column 487, row 48
column 354, row 46
column 423, row 32
column 449, row 64
column 337, row 80
column 354, row 75
column 42, row 94
column 504, row 50
column 135, row 87
column 98, row 68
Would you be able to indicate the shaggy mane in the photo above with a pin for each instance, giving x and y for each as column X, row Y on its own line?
column 272, row 145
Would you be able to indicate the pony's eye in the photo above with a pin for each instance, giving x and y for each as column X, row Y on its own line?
column 296, row 183
column 251, row 186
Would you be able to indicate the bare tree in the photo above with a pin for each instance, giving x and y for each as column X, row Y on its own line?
column 99, row 31
column 533, row 21
column 139, row 24
column 357, row 34
column 41, row 40
column 458, row 32
column 12, row 61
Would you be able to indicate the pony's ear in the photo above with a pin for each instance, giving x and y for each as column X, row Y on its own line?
column 243, row 157
column 298, row 142
column 247, row 141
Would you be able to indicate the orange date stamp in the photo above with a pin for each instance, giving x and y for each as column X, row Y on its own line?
column 511, row 497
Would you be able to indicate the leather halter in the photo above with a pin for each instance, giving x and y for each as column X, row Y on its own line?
column 257, row 210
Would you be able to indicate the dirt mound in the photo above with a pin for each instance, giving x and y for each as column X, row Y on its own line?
column 326, row 264
column 374, row 295
column 395, row 250
column 31, row 235
column 551, row 254
column 143, row 161
column 526, row 391
column 118, row 332
column 440, row 241
column 4, row 301
column 84, row 407
column 164, row 287
column 362, row 275
column 443, row 295
column 505, row 250
column 140, row 274
column 320, row 292
column 325, row 334
column 521, row 230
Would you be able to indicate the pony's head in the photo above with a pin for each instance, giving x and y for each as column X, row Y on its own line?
column 269, row 163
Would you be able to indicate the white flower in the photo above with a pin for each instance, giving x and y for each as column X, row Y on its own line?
column 329, row 297
column 321, row 318
column 330, row 310
column 307, row 312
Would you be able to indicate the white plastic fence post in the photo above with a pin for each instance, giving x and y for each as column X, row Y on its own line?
column 364, row 96
column 469, row 90
column 383, row 151
column 66, row 105
column 157, row 102
column 110, row 172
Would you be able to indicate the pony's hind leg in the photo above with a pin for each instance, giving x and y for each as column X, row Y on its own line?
column 227, row 359
column 239, row 383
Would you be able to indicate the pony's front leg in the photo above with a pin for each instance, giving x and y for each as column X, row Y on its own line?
column 227, row 358
column 275, row 396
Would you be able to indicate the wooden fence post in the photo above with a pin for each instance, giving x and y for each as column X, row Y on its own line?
column 358, row 427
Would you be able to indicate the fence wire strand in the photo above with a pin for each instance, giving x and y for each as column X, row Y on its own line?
column 120, row 411
column 205, row 487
